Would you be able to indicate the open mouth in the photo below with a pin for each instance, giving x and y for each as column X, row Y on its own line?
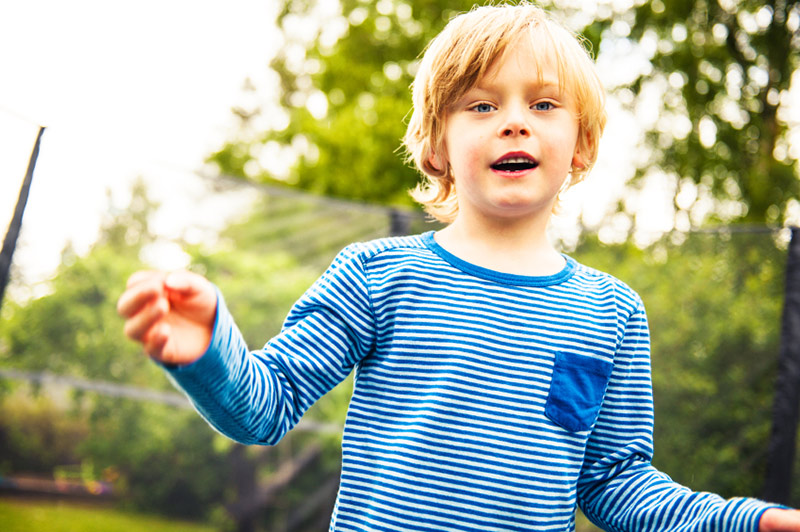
column 515, row 164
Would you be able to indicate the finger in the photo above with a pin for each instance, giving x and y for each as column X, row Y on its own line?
column 139, row 325
column 144, row 275
column 138, row 295
column 187, row 288
column 180, row 281
column 185, row 284
column 157, row 340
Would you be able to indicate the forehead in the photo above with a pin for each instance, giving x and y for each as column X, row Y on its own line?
column 469, row 49
column 530, row 57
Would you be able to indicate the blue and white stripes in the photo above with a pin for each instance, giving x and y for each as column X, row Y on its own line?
column 483, row 401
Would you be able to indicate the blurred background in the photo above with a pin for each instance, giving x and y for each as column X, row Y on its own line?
column 251, row 141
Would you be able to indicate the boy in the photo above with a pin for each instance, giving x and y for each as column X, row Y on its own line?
column 498, row 382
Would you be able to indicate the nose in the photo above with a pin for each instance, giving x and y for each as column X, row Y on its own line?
column 514, row 124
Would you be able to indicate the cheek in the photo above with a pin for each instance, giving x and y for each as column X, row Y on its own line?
column 465, row 163
column 562, row 147
column 472, row 155
column 469, row 150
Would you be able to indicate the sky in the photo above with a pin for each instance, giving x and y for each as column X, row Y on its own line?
column 124, row 90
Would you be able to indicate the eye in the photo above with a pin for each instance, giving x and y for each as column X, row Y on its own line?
column 483, row 107
column 543, row 106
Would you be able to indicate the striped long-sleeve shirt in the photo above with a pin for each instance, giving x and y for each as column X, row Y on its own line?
column 482, row 400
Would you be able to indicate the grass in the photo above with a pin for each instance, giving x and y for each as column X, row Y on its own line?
column 18, row 515
column 22, row 515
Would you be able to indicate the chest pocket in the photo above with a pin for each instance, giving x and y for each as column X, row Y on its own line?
column 576, row 390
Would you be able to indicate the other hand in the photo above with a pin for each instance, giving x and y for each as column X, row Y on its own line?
column 778, row 520
column 171, row 315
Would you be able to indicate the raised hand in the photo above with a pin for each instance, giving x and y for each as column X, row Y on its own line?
column 171, row 315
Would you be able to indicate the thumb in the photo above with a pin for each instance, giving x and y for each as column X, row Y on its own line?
column 188, row 288
column 182, row 282
column 185, row 286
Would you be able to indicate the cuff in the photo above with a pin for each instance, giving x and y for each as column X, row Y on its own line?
column 210, row 370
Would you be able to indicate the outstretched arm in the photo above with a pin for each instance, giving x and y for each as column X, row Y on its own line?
column 252, row 396
column 620, row 490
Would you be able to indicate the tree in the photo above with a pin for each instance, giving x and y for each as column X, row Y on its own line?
column 72, row 329
column 163, row 459
column 714, row 305
column 723, row 70
column 344, row 91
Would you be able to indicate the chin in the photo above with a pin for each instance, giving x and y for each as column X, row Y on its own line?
column 517, row 210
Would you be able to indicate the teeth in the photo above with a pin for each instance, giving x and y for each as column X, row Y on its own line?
column 515, row 164
column 513, row 160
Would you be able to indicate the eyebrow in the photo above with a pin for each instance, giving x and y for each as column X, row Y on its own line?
column 543, row 84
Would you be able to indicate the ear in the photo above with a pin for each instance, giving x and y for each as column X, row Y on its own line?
column 578, row 160
column 579, row 157
column 436, row 162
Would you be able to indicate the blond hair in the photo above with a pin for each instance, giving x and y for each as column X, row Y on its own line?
column 458, row 58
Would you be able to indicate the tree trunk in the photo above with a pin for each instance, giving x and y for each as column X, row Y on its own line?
column 318, row 505
column 250, row 501
column 244, row 481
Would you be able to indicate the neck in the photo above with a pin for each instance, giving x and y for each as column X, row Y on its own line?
column 517, row 247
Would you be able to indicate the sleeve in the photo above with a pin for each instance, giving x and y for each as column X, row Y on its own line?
column 256, row 397
column 618, row 489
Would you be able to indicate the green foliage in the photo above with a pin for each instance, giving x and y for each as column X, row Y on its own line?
column 714, row 305
column 74, row 330
column 727, row 67
column 35, row 437
column 164, row 459
column 24, row 516
column 160, row 458
column 714, row 364
column 353, row 149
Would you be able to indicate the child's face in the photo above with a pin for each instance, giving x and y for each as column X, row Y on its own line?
column 511, row 140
